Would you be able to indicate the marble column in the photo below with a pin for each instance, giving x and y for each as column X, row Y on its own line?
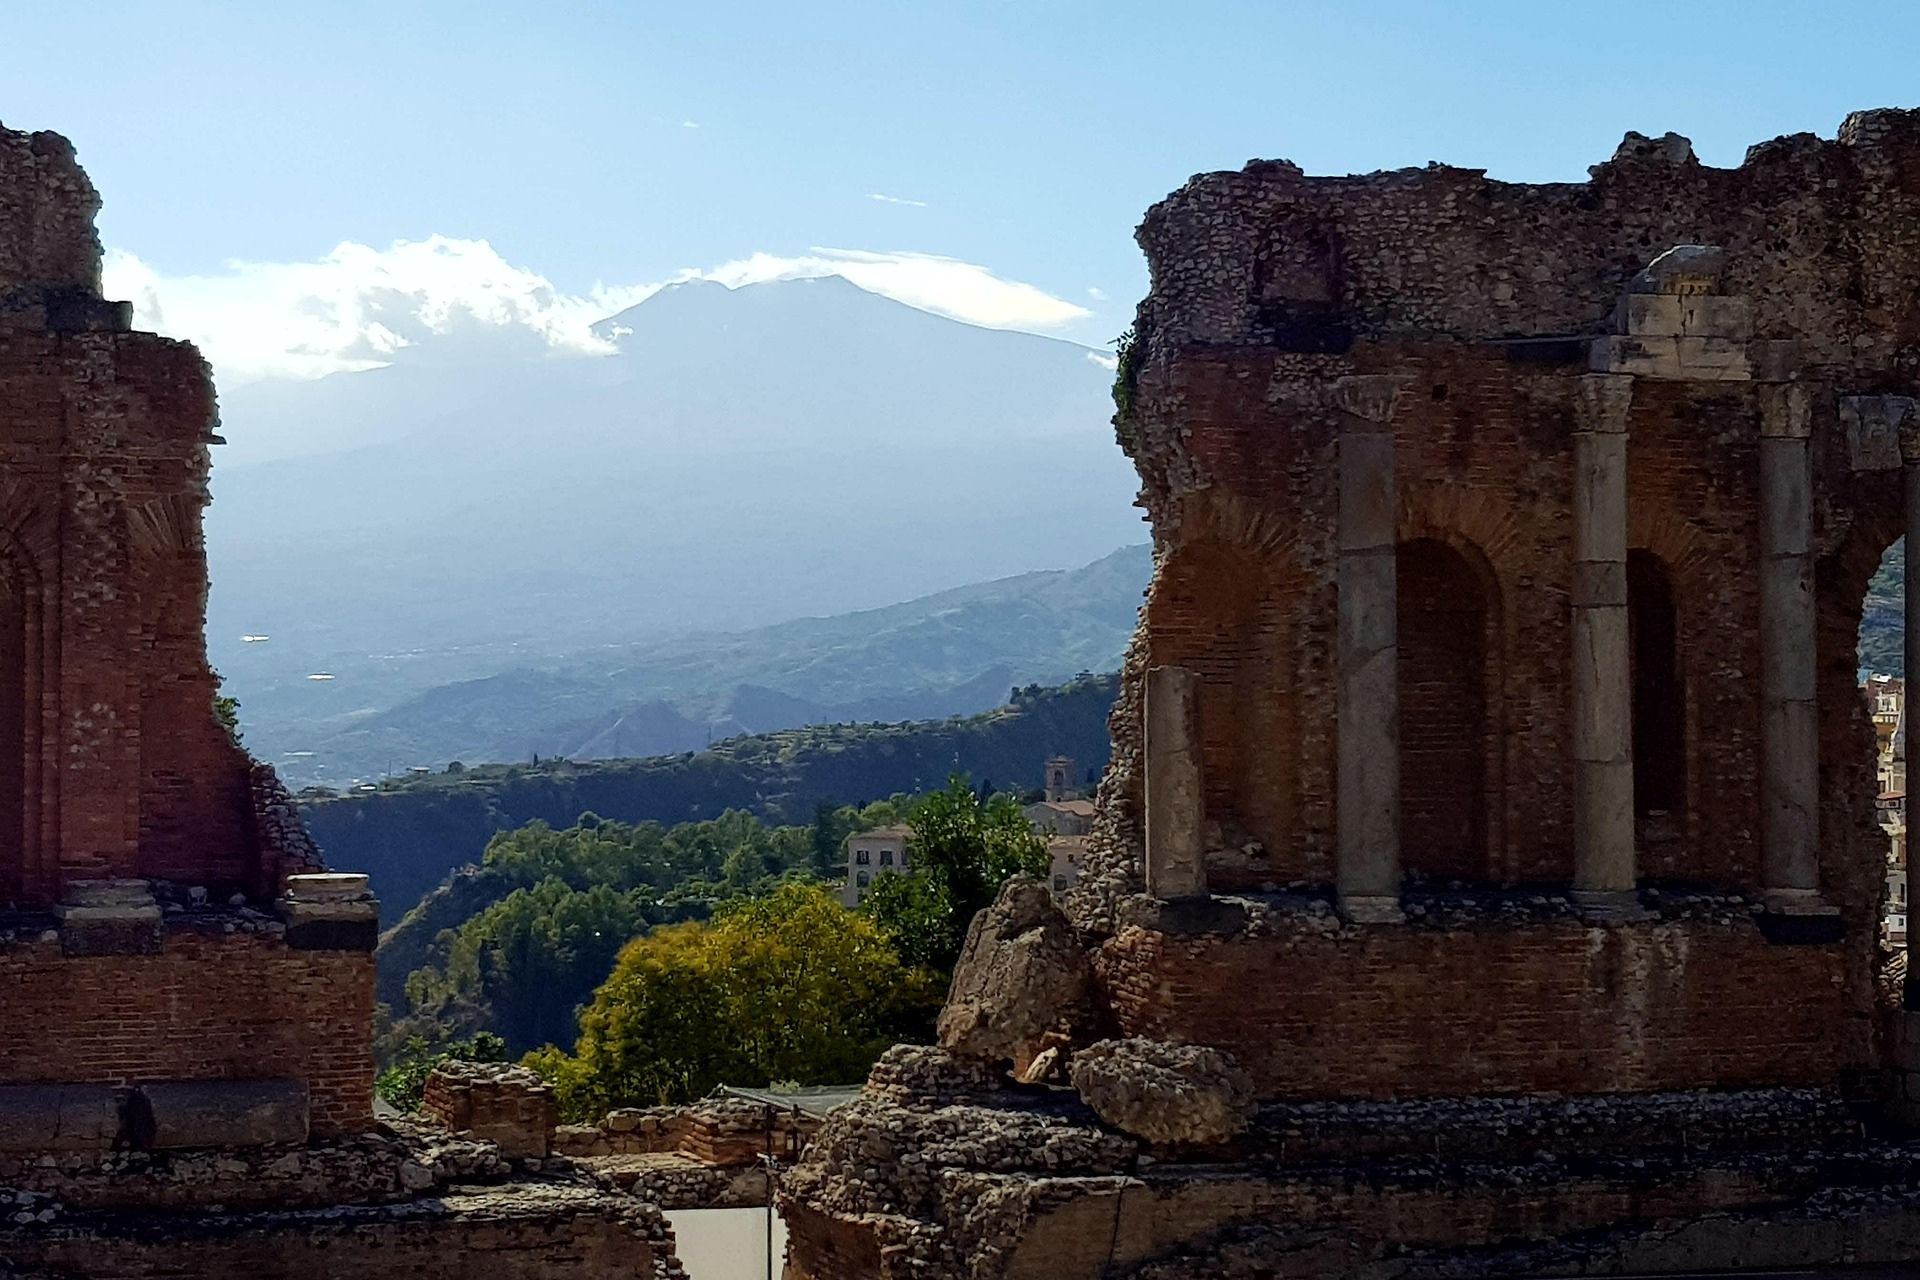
column 1789, row 726
column 1603, row 827
column 1368, row 697
column 1176, row 804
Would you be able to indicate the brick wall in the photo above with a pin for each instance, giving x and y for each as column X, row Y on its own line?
column 1539, row 1006
column 210, row 1005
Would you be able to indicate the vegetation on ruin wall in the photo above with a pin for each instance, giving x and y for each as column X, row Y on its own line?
column 516, row 945
column 413, row 832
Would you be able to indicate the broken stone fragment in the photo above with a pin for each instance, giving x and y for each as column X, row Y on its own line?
column 1021, row 976
column 1165, row 1093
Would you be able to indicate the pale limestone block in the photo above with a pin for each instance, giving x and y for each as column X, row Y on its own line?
column 1602, row 688
column 1713, row 359
column 1599, row 582
column 1709, row 315
column 1603, row 850
column 1786, row 497
column 1369, row 503
column 1650, row 315
column 1642, row 357
column 1600, row 496
column 1789, row 795
column 1176, row 801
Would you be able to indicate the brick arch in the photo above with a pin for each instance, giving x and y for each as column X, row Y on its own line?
column 1223, row 610
column 1474, row 522
column 1483, row 529
column 1664, row 725
column 27, row 718
column 1853, row 846
column 1675, row 540
column 1231, row 520
column 1451, row 711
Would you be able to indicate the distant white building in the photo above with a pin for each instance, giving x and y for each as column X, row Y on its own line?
column 1064, row 810
column 882, row 851
column 1064, row 855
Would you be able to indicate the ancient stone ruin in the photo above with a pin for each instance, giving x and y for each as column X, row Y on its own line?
column 1489, row 845
column 186, row 1076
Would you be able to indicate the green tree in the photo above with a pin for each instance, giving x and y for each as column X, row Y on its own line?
column 792, row 986
column 964, row 849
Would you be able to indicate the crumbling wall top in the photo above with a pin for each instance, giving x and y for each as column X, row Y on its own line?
column 1823, row 235
column 47, row 206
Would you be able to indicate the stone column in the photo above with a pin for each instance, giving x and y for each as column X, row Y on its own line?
column 1176, row 804
column 1603, row 834
column 1368, row 699
column 1789, row 728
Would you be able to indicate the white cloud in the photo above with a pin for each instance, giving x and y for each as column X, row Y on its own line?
column 689, row 124
column 1105, row 361
column 944, row 286
column 887, row 199
column 357, row 306
column 1096, row 293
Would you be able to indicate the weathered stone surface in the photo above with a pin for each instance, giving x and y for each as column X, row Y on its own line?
column 54, row 1117
column 1022, row 975
column 497, row 1102
column 223, row 1113
column 1165, row 1093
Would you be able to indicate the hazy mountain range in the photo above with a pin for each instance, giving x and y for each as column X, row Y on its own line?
column 494, row 550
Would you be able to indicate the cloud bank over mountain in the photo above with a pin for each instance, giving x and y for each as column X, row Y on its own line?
column 355, row 307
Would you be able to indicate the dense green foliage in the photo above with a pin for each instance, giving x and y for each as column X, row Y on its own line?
column 411, row 835
column 518, row 943
column 400, row 1085
column 964, row 848
column 792, row 986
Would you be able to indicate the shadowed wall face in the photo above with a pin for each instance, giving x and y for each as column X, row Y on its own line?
column 1443, row 713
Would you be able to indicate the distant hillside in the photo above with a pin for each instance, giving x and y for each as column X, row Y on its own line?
column 1883, row 627
column 956, row 652
column 742, row 456
column 409, row 835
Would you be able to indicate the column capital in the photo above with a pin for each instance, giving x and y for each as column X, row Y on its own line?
column 1786, row 411
column 1369, row 397
column 1604, row 401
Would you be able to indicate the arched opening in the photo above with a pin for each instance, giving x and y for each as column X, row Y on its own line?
column 1444, row 611
column 1659, row 702
column 1881, row 655
column 1221, row 612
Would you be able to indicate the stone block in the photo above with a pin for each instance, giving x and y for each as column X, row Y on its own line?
column 221, row 1113
column 1369, row 499
column 58, row 1117
column 1713, row 359
column 1649, row 315
column 333, row 911
column 1176, row 815
column 1873, row 425
column 1708, row 315
column 109, row 918
column 1642, row 357
column 1683, row 269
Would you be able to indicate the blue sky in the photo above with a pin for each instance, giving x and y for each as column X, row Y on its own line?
column 627, row 143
